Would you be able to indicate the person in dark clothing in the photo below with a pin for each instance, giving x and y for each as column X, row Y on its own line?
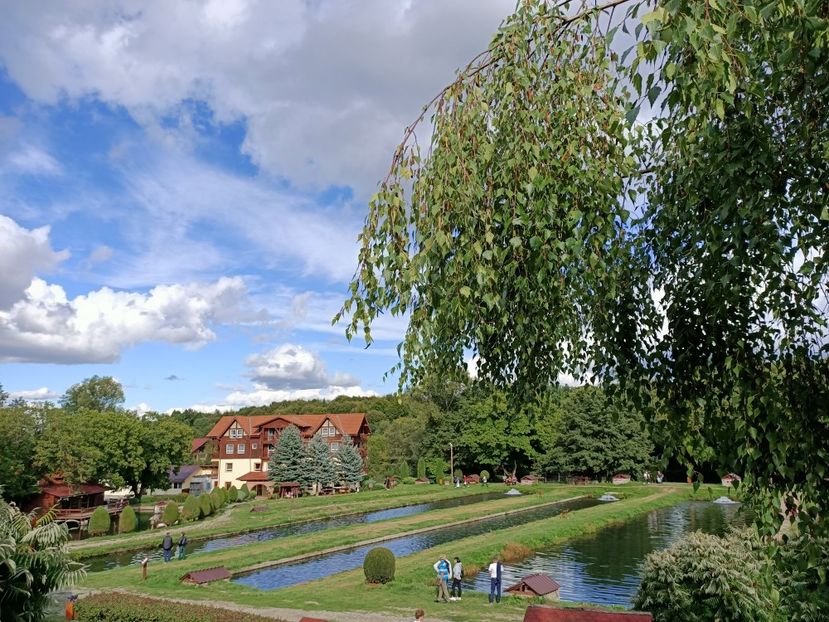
column 457, row 575
column 495, row 569
column 182, row 542
column 167, row 547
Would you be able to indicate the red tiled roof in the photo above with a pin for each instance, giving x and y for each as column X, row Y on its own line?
column 208, row 574
column 197, row 444
column 536, row 613
column 254, row 476
column 541, row 584
column 347, row 423
column 64, row 490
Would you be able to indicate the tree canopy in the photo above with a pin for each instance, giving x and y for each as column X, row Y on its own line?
column 633, row 193
column 99, row 393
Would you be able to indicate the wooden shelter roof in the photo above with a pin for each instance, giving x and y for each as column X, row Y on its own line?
column 207, row 575
column 540, row 584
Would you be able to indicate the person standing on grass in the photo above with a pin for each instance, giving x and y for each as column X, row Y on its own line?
column 167, row 547
column 495, row 570
column 444, row 571
column 182, row 542
column 457, row 575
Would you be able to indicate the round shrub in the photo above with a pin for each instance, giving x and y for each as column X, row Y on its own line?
column 458, row 474
column 205, row 506
column 191, row 508
column 232, row 494
column 171, row 514
column 99, row 522
column 223, row 496
column 128, row 521
column 484, row 475
column 409, row 480
column 215, row 499
column 244, row 492
column 378, row 565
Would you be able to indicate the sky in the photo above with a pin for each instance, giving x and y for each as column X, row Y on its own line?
column 182, row 185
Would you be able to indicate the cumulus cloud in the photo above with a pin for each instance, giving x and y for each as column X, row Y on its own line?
column 48, row 327
column 32, row 160
column 290, row 367
column 34, row 395
column 23, row 253
column 325, row 88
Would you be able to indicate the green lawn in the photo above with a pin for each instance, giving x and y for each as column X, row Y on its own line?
column 411, row 588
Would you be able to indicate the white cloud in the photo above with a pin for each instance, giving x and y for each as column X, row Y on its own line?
column 291, row 368
column 43, row 393
column 141, row 409
column 48, row 327
column 325, row 88
column 100, row 254
column 23, row 253
column 30, row 159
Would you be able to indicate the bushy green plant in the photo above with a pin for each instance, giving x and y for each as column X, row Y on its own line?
column 706, row 577
column 99, row 522
column 128, row 608
column 244, row 490
column 191, row 508
column 128, row 521
column 403, row 470
column 408, row 480
column 378, row 565
column 232, row 494
column 484, row 475
column 170, row 515
column 223, row 495
column 205, row 506
column 458, row 474
column 215, row 499
column 421, row 468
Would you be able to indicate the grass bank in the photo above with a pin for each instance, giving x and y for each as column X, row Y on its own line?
column 412, row 586
column 238, row 519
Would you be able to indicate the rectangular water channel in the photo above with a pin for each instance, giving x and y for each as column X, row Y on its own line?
column 117, row 560
column 333, row 563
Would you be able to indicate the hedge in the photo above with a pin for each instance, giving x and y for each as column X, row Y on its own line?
column 99, row 522
column 205, row 505
column 171, row 514
column 128, row 608
column 128, row 521
column 244, row 492
column 191, row 508
column 232, row 494
column 378, row 565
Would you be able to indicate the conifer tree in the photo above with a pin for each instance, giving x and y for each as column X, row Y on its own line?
column 349, row 464
column 319, row 467
column 287, row 462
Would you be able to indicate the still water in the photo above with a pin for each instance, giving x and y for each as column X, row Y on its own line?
column 605, row 568
column 326, row 565
column 116, row 560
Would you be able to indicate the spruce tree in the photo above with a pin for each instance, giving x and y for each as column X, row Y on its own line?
column 287, row 462
column 319, row 466
column 349, row 464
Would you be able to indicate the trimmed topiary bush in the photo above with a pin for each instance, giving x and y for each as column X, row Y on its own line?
column 99, row 522
column 223, row 496
column 421, row 468
column 378, row 565
column 484, row 475
column 170, row 515
column 205, row 506
column 191, row 508
column 244, row 490
column 403, row 470
column 128, row 521
column 215, row 500
column 232, row 494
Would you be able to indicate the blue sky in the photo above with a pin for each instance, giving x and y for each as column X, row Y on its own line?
column 182, row 184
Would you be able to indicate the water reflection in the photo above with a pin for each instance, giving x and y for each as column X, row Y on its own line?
column 116, row 560
column 606, row 568
column 320, row 567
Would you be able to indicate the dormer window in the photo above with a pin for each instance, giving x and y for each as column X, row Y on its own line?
column 328, row 430
column 236, row 431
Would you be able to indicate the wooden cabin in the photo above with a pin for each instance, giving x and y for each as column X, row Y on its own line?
column 536, row 586
column 546, row 613
column 70, row 502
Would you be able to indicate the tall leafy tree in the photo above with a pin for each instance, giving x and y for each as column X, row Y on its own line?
column 98, row 393
column 681, row 258
column 287, row 463
column 34, row 561
column 319, row 466
column 19, row 426
column 349, row 463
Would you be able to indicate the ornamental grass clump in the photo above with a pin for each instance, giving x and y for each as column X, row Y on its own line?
column 128, row 521
column 515, row 552
column 378, row 565
column 99, row 522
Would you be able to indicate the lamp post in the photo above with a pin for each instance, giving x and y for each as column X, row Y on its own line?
column 452, row 463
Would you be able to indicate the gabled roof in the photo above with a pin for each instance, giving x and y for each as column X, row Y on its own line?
column 64, row 490
column 347, row 423
column 536, row 613
column 540, row 584
column 184, row 471
column 254, row 476
column 197, row 444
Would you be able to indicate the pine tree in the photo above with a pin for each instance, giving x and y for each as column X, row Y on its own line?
column 287, row 462
column 318, row 464
column 349, row 464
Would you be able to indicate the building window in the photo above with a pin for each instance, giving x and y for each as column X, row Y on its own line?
column 240, row 448
column 271, row 434
column 268, row 449
column 328, row 429
column 253, row 446
column 257, row 466
column 228, row 467
column 335, row 447
column 236, row 433
column 230, row 449
column 176, row 485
